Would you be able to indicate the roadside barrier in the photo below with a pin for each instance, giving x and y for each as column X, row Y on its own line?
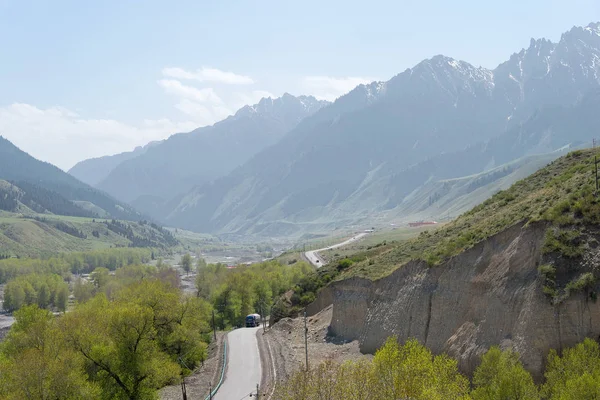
column 222, row 372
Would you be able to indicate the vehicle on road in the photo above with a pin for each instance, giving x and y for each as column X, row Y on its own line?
column 252, row 320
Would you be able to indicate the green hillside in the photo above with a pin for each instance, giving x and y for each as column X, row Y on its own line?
column 45, row 181
column 38, row 235
column 561, row 194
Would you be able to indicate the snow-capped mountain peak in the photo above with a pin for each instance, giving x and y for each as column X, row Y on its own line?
column 593, row 28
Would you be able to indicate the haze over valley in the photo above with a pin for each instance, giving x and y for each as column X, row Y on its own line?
column 294, row 165
column 332, row 200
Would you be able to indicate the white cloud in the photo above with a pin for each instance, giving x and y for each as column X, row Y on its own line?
column 204, row 106
column 202, row 114
column 330, row 88
column 206, row 74
column 61, row 137
column 176, row 88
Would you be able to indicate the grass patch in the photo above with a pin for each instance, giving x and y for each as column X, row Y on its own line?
column 560, row 194
column 565, row 242
column 583, row 282
column 44, row 235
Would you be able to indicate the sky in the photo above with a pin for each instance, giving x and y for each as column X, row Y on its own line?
column 82, row 79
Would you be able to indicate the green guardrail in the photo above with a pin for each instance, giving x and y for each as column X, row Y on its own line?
column 222, row 372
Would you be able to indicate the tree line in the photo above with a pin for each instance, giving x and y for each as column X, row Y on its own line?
column 237, row 292
column 42, row 200
column 76, row 263
column 48, row 291
column 62, row 226
column 151, row 238
column 143, row 335
column 39, row 200
column 411, row 371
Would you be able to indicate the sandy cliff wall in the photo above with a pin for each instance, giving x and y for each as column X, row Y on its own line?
column 488, row 295
column 324, row 299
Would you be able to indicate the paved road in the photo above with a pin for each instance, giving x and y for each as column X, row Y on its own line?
column 315, row 259
column 243, row 365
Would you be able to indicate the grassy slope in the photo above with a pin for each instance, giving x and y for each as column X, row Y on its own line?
column 385, row 238
column 456, row 196
column 28, row 237
column 561, row 193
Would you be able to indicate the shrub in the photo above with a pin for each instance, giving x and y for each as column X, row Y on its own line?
column 547, row 271
column 565, row 242
column 583, row 282
column 432, row 259
column 344, row 264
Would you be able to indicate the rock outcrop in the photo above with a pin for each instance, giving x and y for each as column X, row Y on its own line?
column 488, row 295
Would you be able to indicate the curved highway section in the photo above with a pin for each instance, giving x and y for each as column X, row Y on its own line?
column 315, row 259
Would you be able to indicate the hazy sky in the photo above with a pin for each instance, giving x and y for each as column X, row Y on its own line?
column 80, row 79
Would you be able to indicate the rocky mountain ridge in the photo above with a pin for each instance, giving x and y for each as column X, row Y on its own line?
column 95, row 170
column 311, row 177
column 56, row 186
column 176, row 164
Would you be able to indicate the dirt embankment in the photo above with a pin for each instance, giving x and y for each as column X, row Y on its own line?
column 197, row 385
column 285, row 341
column 489, row 295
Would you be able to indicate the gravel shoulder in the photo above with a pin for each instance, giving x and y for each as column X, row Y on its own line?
column 197, row 384
column 284, row 343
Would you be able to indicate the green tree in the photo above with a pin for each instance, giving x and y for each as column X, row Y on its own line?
column 396, row 372
column 43, row 296
column 14, row 296
column 356, row 381
column 118, row 342
column 186, row 263
column 200, row 263
column 83, row 291
column 62, row 298
column 179, row 320
column 99, row 277
column 502, row 376
column 35, row 363
column 206, row 281
column 411, row 371
column 575, row 375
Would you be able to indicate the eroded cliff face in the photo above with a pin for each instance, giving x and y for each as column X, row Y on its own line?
column 488, row 295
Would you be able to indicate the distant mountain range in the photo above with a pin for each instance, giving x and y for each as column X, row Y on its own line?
column 372, row 149
column 95, row 170
column 45, row 188
column 148, row 177
column 346, row 162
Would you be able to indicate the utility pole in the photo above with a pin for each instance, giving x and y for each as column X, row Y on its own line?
column 257, row 393
column 214, row 326
column 596, row 172
column 306, row 340
column 210, row 390
column 183, row 389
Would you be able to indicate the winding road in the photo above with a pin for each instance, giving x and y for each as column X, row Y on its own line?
column 315, row 259
column 244, row 370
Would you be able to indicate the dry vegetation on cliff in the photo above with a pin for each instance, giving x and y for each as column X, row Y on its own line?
column 562, row 194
